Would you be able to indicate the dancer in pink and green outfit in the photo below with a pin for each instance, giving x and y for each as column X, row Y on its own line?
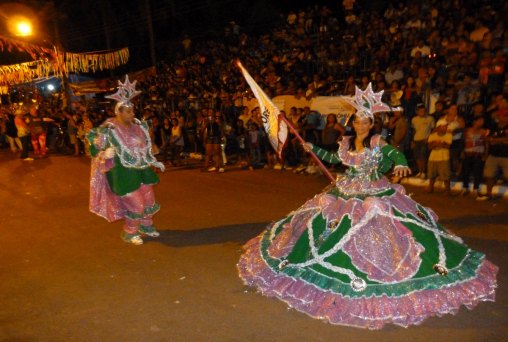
column 122, row 175
column 363, row 253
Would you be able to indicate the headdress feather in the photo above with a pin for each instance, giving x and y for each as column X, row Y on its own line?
column 367, row 102
column 125, row 93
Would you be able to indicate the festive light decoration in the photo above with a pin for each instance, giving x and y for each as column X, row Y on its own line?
column 54, row 62
column 95, row 61
column 35, row 51
column 25, row 72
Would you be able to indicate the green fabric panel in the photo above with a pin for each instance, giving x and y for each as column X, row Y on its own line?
column 454, row 251
column 318, row 228
column 430, row 256
column 337, row 234
column 124, row 180
column 121, row 180
column 301, row 250
column 337, row 284
column 394, row 155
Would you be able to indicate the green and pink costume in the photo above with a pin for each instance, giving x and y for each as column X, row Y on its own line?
column 362, row 253
column 121, row 187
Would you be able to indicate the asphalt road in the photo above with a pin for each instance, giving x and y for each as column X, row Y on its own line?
column 65, row 275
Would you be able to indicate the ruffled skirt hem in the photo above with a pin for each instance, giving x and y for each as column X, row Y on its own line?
column 365, row 312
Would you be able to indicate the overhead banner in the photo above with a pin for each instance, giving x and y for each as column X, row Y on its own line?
column 95, row 61
column 57, row 64
column 24, row 72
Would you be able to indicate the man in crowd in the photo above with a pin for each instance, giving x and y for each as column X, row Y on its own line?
column 496, row 164
column 423, row 125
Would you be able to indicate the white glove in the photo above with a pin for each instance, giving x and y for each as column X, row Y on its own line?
column 307, row 146
column 109, row 153
column 402, row 171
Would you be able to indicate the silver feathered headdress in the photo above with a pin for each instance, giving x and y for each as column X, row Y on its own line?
column 367, row 102
column 125, row 93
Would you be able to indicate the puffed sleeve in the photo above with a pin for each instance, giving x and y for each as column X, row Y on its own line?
column 324, row 155
column 394, row 155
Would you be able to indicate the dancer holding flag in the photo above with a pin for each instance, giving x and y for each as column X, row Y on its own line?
column 362, row 253
column 122, row 175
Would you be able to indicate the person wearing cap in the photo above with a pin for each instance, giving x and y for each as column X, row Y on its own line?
column 439, row 159
column 122, row 177
column 423, row 125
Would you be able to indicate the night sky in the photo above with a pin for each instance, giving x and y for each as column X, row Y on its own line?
column 97, row 25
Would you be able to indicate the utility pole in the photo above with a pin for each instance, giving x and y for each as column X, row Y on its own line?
column 150, row 31
column 59, row 49
column 105, row 25
column 105, row 15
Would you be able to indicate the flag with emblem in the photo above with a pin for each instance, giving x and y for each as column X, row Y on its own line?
column 275, row 127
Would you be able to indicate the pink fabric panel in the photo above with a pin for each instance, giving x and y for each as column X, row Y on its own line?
column 103, row 201
column 136, row 202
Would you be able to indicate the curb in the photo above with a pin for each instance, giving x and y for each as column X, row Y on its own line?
column 498, row 190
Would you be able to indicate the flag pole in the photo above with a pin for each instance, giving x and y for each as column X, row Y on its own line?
column 312, row 154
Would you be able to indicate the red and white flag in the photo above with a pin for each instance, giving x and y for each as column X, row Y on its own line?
column 275, row 127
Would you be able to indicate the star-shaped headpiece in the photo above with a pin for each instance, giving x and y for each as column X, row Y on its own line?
column 125, row 93
column 367, row 102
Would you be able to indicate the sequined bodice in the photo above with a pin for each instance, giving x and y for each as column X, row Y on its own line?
column 363, row 165
column 132, row 145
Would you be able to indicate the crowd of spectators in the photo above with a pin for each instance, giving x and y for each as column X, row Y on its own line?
column 445, row 60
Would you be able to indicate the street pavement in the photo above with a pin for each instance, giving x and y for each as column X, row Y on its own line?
column 66, row 275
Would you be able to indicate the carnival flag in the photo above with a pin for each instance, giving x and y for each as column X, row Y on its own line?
column 275, row 127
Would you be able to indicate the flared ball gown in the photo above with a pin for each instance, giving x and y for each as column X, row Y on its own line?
column 362, row 253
